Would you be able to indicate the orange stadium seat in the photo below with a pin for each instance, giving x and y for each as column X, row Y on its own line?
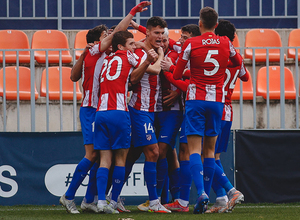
column 236, row 42
column 11, row 83
column 14, row 39
column 175, row 34
column 50, row 39
column 137, row 34
column 67, row 84
column 263, row 38
column 247, row 89
column 294, row 41
column 274, row 83
column 80, row 42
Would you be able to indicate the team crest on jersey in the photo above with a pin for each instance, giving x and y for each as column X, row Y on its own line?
column 148, row 137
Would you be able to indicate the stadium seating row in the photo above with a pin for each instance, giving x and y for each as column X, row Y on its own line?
column 67, row 85
column 11, row 76
column 54, row 39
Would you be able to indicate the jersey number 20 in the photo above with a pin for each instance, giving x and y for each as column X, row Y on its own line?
column 107, row 67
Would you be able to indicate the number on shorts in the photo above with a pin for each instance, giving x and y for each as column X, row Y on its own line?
column 148, row 128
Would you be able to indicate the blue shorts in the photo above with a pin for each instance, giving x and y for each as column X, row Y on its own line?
column 182, row 137
column 167, row 124
column 142, row 127
column 223, row 138
column 87, row 120
column 203, row 118
column 112, row 130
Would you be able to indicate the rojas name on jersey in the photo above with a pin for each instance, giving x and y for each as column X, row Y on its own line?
column 210, row 41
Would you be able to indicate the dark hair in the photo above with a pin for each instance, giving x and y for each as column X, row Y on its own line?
column 95, row 33
column 120, row 38
column 192, row 29
column 209, row 17
column 113, row 27
column 226, row 28
column 156, row 21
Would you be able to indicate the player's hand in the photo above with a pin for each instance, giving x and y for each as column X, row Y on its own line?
column 166, row 63
column 171, row 98
column 160, row 51
column 139, row 44
column 151, row 55
column 140, row 7
column 87, row 47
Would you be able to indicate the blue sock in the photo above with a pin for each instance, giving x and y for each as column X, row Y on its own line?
column 208, row 173
column 165, row 193
column 185, row 180
column 117, row 182
column 150, row 177
column 219, row 190
column 80, row 172
column 102, row 176
column 162, row 173
column 197, row 172
column 92, row 185
column 218, row 162
column 110, row 177
column 128, row 168
column 222, row 179
column 174, row 183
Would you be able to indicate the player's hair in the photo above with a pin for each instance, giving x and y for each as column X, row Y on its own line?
column 95, row 33
column 226, row 28
column 209, row 17
column 120, row 38
column 113, row 27
column 192, row 29
column 156, row 21
column 166, row 31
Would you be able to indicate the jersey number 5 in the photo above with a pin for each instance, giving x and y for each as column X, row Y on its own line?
column 209, row 59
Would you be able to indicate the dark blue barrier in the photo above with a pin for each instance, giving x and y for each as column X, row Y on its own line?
column 267, row 165
column 37, row 168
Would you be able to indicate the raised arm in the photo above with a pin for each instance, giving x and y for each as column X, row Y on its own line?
column 76, row 71
column 122, row 26
column 138, row 27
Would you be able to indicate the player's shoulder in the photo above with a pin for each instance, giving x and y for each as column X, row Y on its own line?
column 223, row 38
column 131, row 55
column 172, row 54
column 139, row 51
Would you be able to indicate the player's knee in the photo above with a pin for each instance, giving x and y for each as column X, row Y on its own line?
column 152, row 153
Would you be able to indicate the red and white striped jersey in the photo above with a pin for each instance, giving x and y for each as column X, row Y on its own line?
column 90, row 76
column 114, row 80
column 145, row 93
column 208, row 55
column 166, row 85
column 230, row 79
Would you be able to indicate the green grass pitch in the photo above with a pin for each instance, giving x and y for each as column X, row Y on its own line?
column 243, row 212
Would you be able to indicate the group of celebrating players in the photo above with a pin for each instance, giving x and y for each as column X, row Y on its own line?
column 184, row 85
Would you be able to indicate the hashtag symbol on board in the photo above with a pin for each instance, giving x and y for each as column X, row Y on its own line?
column 69, row 179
